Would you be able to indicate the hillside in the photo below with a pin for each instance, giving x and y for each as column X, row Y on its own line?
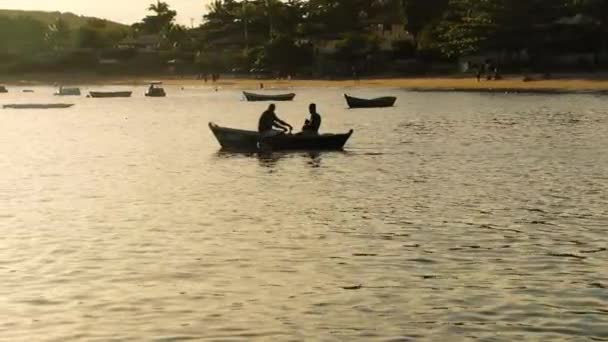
column 72, row 20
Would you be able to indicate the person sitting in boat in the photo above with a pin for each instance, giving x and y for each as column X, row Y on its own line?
column 269, row 120
column 312, row 126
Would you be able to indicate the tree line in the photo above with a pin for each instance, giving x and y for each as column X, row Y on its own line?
column 284, row 36
column 439, row 29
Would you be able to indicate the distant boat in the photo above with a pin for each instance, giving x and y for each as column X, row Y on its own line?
column 354, row 102
column 27, row 91
column 106, row 94
column 3, row 89
column 38, row 106
column 250, row 141
column 263, row 97
column 155, row 90
column 68, row 92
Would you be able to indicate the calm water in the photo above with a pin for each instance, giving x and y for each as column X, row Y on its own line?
column 450, row 217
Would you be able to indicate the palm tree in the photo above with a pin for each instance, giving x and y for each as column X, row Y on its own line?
column 160, row 8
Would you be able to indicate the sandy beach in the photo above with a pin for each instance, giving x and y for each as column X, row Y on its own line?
column 559, row 83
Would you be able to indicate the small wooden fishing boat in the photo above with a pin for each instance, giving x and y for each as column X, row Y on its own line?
column 155, row 90
column 266, row 97
column 38, row 106
column 3, row 89
column 107, row 94
column 250, row 141
column 379, row 102
column 63, row 91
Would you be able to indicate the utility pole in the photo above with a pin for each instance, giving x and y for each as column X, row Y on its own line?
column 270, row 24
column 245, row 24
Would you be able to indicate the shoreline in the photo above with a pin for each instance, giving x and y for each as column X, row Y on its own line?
column 592, row 83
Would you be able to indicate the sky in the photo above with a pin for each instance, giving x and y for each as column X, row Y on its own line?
column 123, row 11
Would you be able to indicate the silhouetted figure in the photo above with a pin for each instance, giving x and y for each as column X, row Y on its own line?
column 261, row 85
column 497, row 75
column 488, row 69
column 312, row 125
column 478, row 72
column 269, row 120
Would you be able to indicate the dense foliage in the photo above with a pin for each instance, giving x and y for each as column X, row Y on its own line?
column 439, row 29
column 42, row 40
column 325, row 36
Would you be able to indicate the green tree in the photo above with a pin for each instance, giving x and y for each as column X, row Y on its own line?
column 59, row 35
column 468, row 26
column 178, row 38
column 419, row 14
column 91, row 37
column 97, row 34
column 22, row 35
column 162, row 19
column 355, row 48
column 281, row 54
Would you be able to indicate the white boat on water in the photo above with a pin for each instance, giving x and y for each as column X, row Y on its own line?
column 63, row 91
column 156, row 90
column 38, row 106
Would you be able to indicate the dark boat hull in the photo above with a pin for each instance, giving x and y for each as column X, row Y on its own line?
column 251, row 97
column 156, row 93
column 107, row 94
column 380, row 102
column 38, row 106
column 250, row 141
column 68, row 92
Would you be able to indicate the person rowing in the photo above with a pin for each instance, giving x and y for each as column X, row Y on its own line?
column 269, row 121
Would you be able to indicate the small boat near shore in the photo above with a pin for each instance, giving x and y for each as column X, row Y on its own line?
column 3, row 89
column 252, row 97
column 64, row 91
column 109, row 94
column 156, row 90
column 379, row 102
column 250, row 141
column 38, row 106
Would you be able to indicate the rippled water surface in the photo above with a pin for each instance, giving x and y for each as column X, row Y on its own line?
column 449, row 217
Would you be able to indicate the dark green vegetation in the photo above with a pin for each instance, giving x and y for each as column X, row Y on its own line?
column 316, row 38
column 31, row 41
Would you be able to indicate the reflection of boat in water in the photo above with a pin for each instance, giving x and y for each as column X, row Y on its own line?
column 270, row 159
column 3, row 89
column 107, row 94
column 243, row 140
column 265, row 97
column 155, row 90
column 355, row 102
column 63, row 91
column 38, row 106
